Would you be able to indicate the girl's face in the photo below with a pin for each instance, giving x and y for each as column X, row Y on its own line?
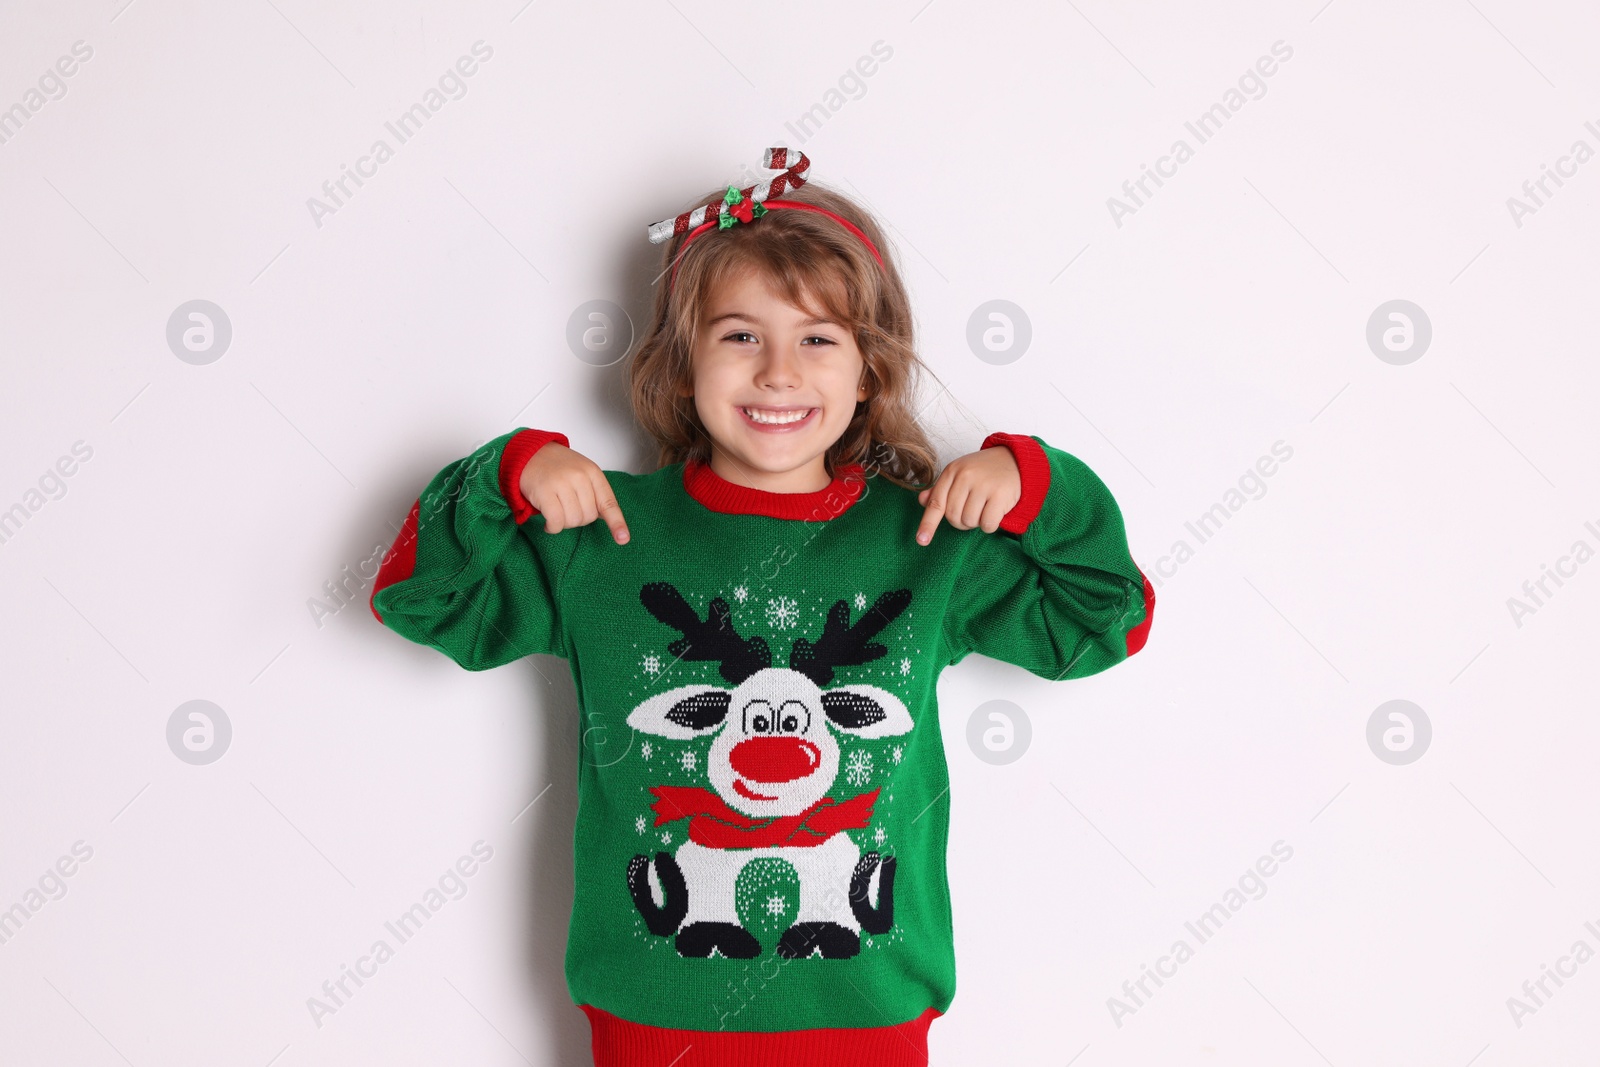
column 774, row 384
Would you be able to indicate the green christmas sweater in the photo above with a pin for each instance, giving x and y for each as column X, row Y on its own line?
column 762, row 790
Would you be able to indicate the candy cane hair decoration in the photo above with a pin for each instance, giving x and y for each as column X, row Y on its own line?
column 747, row 205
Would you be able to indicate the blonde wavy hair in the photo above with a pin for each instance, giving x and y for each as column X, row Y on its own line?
column 815, row 264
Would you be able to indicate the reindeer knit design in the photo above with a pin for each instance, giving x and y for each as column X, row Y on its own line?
column 762, row 789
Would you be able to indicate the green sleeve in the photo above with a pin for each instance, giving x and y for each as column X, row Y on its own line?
column 1054, row 590
column 473, row 573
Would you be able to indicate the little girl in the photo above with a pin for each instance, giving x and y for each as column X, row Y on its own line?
column 755, row 632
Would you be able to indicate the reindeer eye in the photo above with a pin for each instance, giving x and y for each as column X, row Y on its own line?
column 758, row 717
column 794, row 716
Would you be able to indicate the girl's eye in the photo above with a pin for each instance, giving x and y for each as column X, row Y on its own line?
column 742, row 335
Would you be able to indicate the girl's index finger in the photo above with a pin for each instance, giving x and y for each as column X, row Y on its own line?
column 610, row 510
column 935, row 498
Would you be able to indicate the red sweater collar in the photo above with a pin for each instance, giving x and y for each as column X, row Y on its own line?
column 730, row 498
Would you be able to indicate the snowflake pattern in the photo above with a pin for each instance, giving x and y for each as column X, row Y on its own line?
column 905, row 666
column 879, row 835
column 638, row 824
column 861, row 601
column 783, row 613
column 688, row 760
column 776, row 903
column 651, row 664
column 741, row 593
column 666, row 837
column 858, row 768
column 647, row 749
column 898, row 754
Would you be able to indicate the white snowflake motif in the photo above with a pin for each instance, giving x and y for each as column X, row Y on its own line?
column 741, row 593
column 646, row 750
column 897, row 755
column 858, row 768
column 905, row 666
column 689, row 761
column 651, row 664
column 666, row 837
column 638, row 824
column 861, row 601
column 879, row 834
column 782, row 612
column 776, row 903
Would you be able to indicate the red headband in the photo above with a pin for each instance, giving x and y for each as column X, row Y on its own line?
column 746, row 205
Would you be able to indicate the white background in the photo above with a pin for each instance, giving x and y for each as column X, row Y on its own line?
column 1170, row 352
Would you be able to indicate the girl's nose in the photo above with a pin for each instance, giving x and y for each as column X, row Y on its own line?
column 782, row 368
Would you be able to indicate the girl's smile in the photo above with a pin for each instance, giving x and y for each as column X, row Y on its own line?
column 778, row 420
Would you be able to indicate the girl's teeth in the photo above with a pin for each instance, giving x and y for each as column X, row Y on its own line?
column 777, row 418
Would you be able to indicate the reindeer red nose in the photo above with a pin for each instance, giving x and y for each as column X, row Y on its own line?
column 774, row 759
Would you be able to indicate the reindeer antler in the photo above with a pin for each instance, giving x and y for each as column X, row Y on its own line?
column 844, row 645
column 712, row 639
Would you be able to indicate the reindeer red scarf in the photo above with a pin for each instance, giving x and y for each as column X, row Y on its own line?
column 714, row 824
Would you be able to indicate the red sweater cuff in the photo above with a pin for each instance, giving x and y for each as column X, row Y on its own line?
column 513, row 459
column 400, row 562
column 1141, row 633
column 1034, row 466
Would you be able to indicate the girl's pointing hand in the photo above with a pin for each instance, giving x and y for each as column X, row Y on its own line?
column 974, row 490
column 570, row 489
